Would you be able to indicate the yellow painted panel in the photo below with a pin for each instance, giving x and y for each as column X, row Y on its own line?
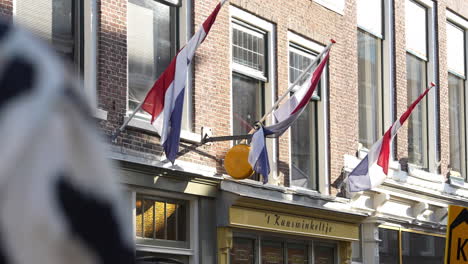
column 290, row 224
column 456, row 249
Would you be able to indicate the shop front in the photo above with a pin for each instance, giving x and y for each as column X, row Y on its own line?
column 271, row 231
column 171, row 214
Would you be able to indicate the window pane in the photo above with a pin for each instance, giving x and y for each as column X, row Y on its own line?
column 242, row 251
column 369, row 81
column 417, row 123
column 247, row 94
column 51, row 20
column 419, row 248
column 388, row 246
column 369, row 15
column 248, row 44
column 304, row 152
column 304, row 138
column 160, row 219
column 324, row 255
column 139, row 218
column 151, row 45
column 62, row 27
column 297, row 254
column 171, row 218
column 456, row 49
column 181, row 222
column 148, row 218
column 457, row 122
column 299, row 59
column 416, row 28
column 272, row 252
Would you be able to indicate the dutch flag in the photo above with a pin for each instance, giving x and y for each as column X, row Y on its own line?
column 164, row 102
column 373, row 169
column 285, row 116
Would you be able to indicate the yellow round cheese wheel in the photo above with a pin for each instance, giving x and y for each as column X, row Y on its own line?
column 236, row 162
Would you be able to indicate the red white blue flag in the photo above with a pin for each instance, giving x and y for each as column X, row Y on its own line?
column 373, row 169
column 165, row 101
column 285, row 115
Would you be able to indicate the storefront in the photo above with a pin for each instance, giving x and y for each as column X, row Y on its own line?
column 260, row 228
column 171, row 214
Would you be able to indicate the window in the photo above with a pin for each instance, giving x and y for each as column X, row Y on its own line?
column 410, row 246
column 243, row 251
column 149, row 54
column 165, row 224
column 156, row 31
column 420, row 248
column 370, row 88
column 417, row 122
column 388, row 246
column 253, row 77
column 161, row 221
column 456, row 56
column 252, row 248
column 59, row 22
column 370, row 71
column 304, row 137
column 249, row 77
column 272, row 252
column 308, row 135
column 416, row 75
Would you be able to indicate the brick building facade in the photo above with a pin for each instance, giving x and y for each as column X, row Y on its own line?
column 110, row 41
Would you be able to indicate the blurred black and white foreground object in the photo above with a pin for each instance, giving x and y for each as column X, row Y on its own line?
column 58, row 202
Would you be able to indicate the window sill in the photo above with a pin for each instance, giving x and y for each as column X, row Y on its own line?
column 165, row 250
column 100, row 114
column 424, row 175
column 455, row 179
column 185, row 135
column 362, row 153
column 304, row 191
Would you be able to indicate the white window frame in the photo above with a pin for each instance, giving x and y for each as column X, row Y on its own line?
column 323, row 184
column 193, row 250
column 431, row 73
column 142, row 120
column 90, row 42
column 463, row 24
column 237, row 14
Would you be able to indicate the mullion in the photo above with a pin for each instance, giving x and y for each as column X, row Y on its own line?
column 142, row 217
column 154, row 219
column 165, row 220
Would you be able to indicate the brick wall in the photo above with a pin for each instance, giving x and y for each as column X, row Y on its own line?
column 443, row 91
column 6, row 8
column 400, row 104
column 212, row 75
column 311, row 20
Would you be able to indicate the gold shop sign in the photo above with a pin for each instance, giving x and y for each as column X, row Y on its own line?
column 290, row 224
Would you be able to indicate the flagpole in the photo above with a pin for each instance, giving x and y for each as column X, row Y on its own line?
column 124, row 125
column 293, row 85
column 407, row 113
